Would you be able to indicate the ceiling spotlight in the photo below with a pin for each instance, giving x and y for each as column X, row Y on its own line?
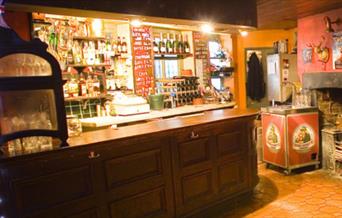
column 243, row 33
column 207, row 28
column 97, row 27
column 136, row 23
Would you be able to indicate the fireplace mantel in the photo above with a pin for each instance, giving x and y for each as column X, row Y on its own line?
column 322, row 80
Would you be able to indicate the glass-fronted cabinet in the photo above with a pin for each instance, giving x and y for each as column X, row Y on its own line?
column 32, row 115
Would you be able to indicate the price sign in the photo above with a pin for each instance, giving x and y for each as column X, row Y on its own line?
column 201, row 56
column 142, row 60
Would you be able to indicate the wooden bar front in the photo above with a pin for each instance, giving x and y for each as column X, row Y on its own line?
column 168, row 168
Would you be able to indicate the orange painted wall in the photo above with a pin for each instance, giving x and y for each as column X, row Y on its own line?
column 255, row 39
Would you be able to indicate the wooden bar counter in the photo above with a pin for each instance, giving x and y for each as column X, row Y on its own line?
column 166, row 168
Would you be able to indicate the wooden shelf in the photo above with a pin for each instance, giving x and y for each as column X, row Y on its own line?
column 88, row 38
column 217, row 58
column 170, row 80
column 222, row 73
column 41, row 22
column 88, row 65
column 81, row 98
column 172, row 56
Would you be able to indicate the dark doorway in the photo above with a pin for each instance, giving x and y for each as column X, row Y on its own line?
column 262, row 54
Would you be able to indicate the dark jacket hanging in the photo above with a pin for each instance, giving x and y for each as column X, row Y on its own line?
column 255, row 78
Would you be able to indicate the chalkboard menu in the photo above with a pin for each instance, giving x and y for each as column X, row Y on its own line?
column 142, row 60
column 201, row 57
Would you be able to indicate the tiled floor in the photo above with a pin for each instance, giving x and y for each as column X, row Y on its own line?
column 313, row 194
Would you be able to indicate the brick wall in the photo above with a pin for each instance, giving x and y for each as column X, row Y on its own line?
column 329, row 102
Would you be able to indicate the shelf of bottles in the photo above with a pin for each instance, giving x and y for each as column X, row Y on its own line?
column 90, row 85
column 87, row 61
column 179, row 91
column 171, row 46
column 71, row 42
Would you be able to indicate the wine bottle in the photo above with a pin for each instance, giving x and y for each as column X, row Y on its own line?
column 101, row 48
column 82, row 86
column 96, row 85
column 162, row 46
column 108, row 51
column 186, row 45
column 85, row 53
column 175, row 44
column 169, row 48
column 114, row 47
column 91, row 53
column 90, row 87
column 119, row 45
column 124, row 45
column 155, row 46
column 73, row 87
column 70, row 57
column 97, row 54
column 76, row 49
column 180, row 45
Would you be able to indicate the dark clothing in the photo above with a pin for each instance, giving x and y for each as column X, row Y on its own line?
column 8, row 36
column 255, row 79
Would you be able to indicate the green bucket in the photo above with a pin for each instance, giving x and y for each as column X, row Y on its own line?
column 156, row 102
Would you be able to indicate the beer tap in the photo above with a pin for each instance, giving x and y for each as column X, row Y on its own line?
column 294, row 91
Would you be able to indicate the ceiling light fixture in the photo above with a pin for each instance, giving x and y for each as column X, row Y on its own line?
column 136, row 23
column 207, row 28
column 243, row 33
column 97, row 27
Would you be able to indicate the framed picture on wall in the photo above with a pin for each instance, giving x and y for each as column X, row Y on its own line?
column 307, row 55
column 337, row 50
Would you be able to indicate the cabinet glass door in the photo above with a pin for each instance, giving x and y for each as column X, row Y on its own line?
column 24, row 65
column 27, row 110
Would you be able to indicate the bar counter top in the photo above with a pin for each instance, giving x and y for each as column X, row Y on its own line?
column 173, row 167
column 96, row 122
column 173, row 123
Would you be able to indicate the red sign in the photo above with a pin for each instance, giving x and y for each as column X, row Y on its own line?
column 202, row 55
column 142, row 60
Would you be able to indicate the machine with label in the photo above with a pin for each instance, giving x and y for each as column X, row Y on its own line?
column 290, row 137
column 281, row 71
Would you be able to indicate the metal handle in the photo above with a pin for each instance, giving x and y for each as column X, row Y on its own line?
column 194, row 135
column 255, row 135
column 93, row 155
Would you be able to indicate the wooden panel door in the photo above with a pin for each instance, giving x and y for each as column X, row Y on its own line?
column 232, row 176
column 50, row 185
column 137, row 178
column 232, row 156
column 192, row 159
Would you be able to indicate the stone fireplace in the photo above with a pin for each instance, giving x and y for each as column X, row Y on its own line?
column 327, row 96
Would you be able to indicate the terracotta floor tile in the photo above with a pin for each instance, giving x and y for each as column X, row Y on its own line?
column 314, row 194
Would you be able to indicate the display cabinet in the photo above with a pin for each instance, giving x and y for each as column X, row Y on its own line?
column 32, row 115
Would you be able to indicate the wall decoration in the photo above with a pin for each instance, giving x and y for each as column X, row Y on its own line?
column 273, row 138
column 303, row 138
column 328, row 24
column 322, row 52
column 307, row 55
column 337, row 50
